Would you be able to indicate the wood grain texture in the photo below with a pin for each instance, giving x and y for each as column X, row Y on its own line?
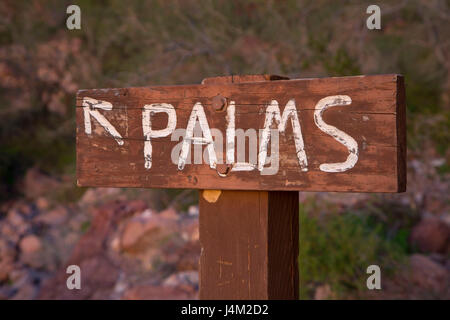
column 375, row 119
column 249, row 245
column 243, row 78
column 401, row 134
column 249, row 239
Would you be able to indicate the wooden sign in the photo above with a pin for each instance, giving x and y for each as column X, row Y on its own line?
column 331, row 134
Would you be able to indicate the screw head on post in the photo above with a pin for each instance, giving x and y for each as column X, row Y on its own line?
column 219, row 102
column 223, row 169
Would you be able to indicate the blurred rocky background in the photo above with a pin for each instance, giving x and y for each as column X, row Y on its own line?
column 143, row 244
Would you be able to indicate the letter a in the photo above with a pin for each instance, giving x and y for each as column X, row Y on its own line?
column 74, row 20
column 374, row 281
column 74, row 281
column 374, row 20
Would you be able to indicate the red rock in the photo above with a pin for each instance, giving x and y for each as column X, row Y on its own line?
column 15, row 218
column 37, row 183
column 104, row 223
column 136, row 206
column 7, row 257
column 5, row 293
column 140, row 233
column 18, row 275
column 184, row 257
column 169, row 213
column 30, row 244
column 31, row 247
column 185, row 279
column 431, row 235
column 42, row 203
column 7, row 251
column 5, row 269
column 9, row 232
column 150, row 292
column 99, row 272
column 132, row 239
column 190, row 230
column 428, row 275
column 26, row 209
column 193, row 211
column 26, row 292
column 96, row 195
column 53, row 217
column 98, row 278
column 323, row 292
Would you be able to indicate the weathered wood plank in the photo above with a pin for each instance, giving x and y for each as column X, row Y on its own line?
column 249, row 245
column 243, row 78
column 375, row 119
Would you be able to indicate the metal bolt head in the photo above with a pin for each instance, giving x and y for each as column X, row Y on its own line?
column 223, row 169
column 219, row 102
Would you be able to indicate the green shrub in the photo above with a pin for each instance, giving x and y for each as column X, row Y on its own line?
column 337, row 249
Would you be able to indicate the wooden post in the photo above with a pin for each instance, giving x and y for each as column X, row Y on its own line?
column 249, row 238
column 249, row 245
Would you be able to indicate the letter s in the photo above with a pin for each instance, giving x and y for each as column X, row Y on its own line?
column 338, row 135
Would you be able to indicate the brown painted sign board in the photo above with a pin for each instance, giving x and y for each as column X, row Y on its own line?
column 344, row 134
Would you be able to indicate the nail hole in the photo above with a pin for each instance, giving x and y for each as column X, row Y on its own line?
column 223, row 169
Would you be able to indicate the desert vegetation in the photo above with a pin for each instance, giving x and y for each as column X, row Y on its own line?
column 146, row 241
